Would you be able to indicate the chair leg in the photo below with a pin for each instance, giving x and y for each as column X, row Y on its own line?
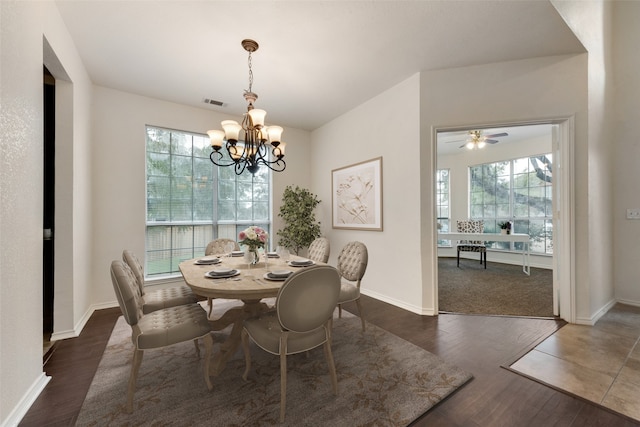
column 247, row 355
column 340, row 311
column 360, row 312
column 135, row 367
column 332, row 367
column 283, row 375
column 485, row 260
column 458, row 257
column 210, row 304
column 208, row 345
column 195, row 342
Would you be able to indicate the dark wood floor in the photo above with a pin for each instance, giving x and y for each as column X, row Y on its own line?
column 478, row 344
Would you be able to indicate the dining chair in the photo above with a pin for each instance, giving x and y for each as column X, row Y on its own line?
column 161, row 298
column 352, row 264
column 218, row 247
column 160, row 328
column 471, row 226
column 300, row 322
column 319, row 250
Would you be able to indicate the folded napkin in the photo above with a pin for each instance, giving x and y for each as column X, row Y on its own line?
column 301, row 262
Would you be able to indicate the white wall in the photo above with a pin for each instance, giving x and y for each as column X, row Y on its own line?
column 24, row 28
column 119, row 120
column 626, row 172
column 387, row 126
column 458, row 165
column 591, row 21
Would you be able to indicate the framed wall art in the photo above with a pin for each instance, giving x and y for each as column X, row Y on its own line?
column 356, row 196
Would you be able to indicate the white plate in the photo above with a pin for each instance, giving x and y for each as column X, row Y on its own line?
column 221, row 270
column 271, row 277
column 237, row 253
column 212, row 275
column 281, row 273
column 273, row 255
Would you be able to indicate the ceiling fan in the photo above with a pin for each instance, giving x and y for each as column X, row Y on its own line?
column 477, row 140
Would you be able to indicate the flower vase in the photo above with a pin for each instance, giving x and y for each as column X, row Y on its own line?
column 251, row 256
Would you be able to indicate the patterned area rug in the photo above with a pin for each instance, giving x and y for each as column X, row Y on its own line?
column 382, row 380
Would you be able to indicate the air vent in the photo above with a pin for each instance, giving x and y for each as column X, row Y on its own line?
column 212, row 102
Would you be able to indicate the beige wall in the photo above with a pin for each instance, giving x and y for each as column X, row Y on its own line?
column 626, row 172
column 387, row 126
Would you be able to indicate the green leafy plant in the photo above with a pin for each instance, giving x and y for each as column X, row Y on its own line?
column 297, row 211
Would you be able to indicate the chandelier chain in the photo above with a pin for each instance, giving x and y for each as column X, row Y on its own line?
column 250, row 73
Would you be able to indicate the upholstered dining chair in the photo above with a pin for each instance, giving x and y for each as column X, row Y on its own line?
column 471, row 226
column 218, row 247
column 352, row 264
column 161, row 298
column 160, row 328
column 300, row 322
column 319, row 250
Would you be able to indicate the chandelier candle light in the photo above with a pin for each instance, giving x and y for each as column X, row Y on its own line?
column 248, row 144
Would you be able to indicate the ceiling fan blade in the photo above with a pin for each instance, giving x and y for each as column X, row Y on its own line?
column 456, row 140
column 491, row 141
column 497, row 135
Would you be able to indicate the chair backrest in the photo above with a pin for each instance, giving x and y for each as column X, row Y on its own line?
column 471, row 226
column 352, row 261
column 217, row 246
column 308, row 298
column 127, row 292
column 319, row 250
column 134, row 264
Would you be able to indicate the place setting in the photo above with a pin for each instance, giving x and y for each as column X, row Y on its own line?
column 209, row 260
column 222, row 273
column 277, row 275
column 301, row 262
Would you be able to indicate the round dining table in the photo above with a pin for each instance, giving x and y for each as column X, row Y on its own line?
column 249, row 283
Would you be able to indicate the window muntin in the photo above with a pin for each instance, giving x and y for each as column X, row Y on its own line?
column 191, row 202
column 443, row 197
column 517, row 190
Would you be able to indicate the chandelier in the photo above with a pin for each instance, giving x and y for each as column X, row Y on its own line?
column 249, row 144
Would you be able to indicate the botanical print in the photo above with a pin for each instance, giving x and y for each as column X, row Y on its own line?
column 357, row 196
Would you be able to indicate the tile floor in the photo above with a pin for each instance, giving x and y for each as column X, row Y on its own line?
column 600, row 363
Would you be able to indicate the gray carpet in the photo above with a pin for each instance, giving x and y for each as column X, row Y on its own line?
column 501, row 289
column 382, row 380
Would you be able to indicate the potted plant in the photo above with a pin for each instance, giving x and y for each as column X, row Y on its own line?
column 505, row 227
column 297, row 211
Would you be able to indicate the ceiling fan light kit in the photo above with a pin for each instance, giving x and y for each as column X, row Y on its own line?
column 248, row 143
column 477, row 140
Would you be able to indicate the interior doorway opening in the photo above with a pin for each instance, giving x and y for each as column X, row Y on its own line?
column 458, row 151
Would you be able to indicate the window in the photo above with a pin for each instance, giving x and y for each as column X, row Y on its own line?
column 442, row 203
column 518, row 190
column 190, row 201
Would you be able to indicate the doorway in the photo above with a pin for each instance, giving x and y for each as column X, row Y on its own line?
column 48, row 224
column 549, row 142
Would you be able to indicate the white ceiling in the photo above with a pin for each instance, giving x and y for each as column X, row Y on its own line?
column 317, row 59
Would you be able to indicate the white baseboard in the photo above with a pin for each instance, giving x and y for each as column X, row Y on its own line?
column 409, row 307
column 75, row 332
column 590, row 321
column 27, row 400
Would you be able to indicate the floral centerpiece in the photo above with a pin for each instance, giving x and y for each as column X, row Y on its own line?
column 253, row 238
